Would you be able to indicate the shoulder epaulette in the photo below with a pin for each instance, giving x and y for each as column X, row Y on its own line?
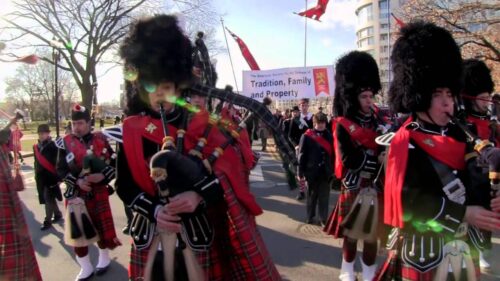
column 59, row 143
column 114, row 133
column 385, row 140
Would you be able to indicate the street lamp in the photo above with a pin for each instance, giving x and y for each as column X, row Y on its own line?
column 56, row 57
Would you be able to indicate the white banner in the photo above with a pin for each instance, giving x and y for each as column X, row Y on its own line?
column 289, row 83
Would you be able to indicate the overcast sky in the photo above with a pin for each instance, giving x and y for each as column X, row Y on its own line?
column 271, row 31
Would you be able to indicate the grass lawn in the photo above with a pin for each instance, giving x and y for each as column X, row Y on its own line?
column 27, row 145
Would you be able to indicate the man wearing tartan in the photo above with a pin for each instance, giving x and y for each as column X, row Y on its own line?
column 428, row 197
column 17, row 257
column 356, row 161
column 85, row 163
column 157, row 59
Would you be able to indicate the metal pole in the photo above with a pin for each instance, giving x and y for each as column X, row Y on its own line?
column 56, row 89
column 305, row 39
column 230, row 59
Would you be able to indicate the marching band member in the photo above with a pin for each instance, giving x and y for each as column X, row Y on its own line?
column 427, row 194
column 17, row 260
column 158, row 66
column 477, row 90
column 85, row 162
column 355, row 215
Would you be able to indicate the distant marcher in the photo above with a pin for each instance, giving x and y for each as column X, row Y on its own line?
column 47, row 182
column 15, row 142
column 68, row 129
column 315, row 167
column 117, row 120
column 101, row 123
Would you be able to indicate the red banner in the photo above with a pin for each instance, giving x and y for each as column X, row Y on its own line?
column 321, row 81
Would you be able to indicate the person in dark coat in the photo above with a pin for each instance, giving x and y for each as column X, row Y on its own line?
column 315, row 167
column 47, row 182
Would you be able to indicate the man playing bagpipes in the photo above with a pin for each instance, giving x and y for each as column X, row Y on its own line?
column 428, row 197
column 85, row 163
column 47, row 182
column 477, row 88
column 17, row 257
column 191, row 199
column 355, row 216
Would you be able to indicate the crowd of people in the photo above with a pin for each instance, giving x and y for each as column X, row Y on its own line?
column 182, row 171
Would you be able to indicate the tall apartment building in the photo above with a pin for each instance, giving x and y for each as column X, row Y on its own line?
column 373, row 34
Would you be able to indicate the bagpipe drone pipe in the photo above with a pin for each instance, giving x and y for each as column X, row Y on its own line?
column 258, row 110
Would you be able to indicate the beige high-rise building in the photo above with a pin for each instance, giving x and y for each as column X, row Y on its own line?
column 372, row 31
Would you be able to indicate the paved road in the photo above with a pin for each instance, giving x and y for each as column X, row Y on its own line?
column 300, row 251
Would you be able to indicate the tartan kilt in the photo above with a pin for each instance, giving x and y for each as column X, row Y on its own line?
column 344, row 204
column 17, row 260
column 238, row 251
column 395, row 269
column 100, row 213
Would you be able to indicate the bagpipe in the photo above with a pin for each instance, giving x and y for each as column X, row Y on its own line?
column 79, row 230
column 486, row 150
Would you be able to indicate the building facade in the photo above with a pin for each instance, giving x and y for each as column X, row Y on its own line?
column 373, row 32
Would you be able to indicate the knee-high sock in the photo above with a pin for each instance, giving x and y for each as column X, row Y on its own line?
column 81, row 251
column 349, row 249
column 369, row 252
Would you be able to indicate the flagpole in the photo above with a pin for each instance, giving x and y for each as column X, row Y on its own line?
column 389, row 49
column 230, row 59
column 305, row 38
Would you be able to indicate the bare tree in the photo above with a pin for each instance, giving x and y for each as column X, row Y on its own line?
column 475, row 24
column 85, row 30
column 32, row 88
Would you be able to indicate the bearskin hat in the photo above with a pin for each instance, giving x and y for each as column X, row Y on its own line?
column 355, row 72
column 79, row 112
column 155, row 50
column 476, row 79
column 424, row 57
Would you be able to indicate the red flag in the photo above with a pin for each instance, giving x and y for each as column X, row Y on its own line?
column 31, row 59
column 245, row 51
column 399, row 22
column 315, row 12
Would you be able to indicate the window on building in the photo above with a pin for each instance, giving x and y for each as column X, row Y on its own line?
column 384, row 49
column 383, row 5
column 383, row 37
column 365, row 32
column 384, row 26
column 365, row 14
column 365, row 42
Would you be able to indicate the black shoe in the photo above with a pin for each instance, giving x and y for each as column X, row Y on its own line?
column 322, row 223
column 101, row 270
column 301, row 196
column 57, row 218
column 46, row 225
column 310, row 221
column 126, row 230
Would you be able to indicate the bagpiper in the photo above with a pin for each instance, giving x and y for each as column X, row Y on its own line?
column 355, row 216
column 477, row 89
column 428, row 199
column 85, row 163
column 190, row 199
